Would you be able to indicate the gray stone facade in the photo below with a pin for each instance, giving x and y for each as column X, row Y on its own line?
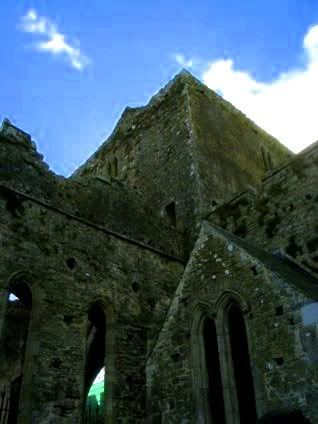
column 183, row 256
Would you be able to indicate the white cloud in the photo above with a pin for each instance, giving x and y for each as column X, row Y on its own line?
column 54, row 41
column 183, row 62
column 285, row 107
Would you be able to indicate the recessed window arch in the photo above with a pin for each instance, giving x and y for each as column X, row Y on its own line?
column 207, row 369
column 212, row 362
column 236, row 337
column 109, row 168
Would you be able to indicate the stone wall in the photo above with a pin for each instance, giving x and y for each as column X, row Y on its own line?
column 103, row 202
column 232, row 152
column 71, row 261
column 283, row 213
column 285, row 375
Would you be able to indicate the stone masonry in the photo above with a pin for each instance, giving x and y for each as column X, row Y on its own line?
column 182, row 256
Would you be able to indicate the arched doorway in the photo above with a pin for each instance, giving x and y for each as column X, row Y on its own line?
column 14, row 339
column 94, row 413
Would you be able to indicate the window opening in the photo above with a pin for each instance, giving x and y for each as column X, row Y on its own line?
column 109, row 169
column 171, row 213
column 241, row 365
column 95, row 402
column 215, row 389
column 94, row 405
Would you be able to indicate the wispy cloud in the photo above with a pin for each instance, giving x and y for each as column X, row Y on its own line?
column 53, row 41
column 285, row 107
column 183, row 61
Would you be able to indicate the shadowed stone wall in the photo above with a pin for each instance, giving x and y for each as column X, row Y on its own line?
column 283, row 213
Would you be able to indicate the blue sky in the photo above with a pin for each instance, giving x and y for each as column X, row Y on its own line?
column 69, row 68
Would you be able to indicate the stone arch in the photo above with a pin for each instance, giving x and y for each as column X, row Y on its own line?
column 207, row 377
column 18, row 334
column 235, row 353
column 230, row 296
column 100, row 352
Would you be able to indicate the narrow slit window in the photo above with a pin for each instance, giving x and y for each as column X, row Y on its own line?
column 171, row 213
column 115, row 168
column 109, row 169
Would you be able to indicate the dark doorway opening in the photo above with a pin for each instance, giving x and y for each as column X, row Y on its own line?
column 242, row 367
column 215, row 392
column 95, row 362
column 13, row 342
column 15, row 388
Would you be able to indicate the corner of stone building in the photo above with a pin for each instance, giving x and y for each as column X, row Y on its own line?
column 193, row 144
column 19, row 152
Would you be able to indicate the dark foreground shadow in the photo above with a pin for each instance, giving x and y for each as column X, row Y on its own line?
column 289, row 417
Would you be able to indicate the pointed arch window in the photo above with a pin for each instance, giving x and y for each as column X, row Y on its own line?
column 216, row 413
column 223, row 379
column 207, row 370
column 241, row 365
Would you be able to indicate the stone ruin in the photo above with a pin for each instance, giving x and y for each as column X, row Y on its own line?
column 182, row 256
